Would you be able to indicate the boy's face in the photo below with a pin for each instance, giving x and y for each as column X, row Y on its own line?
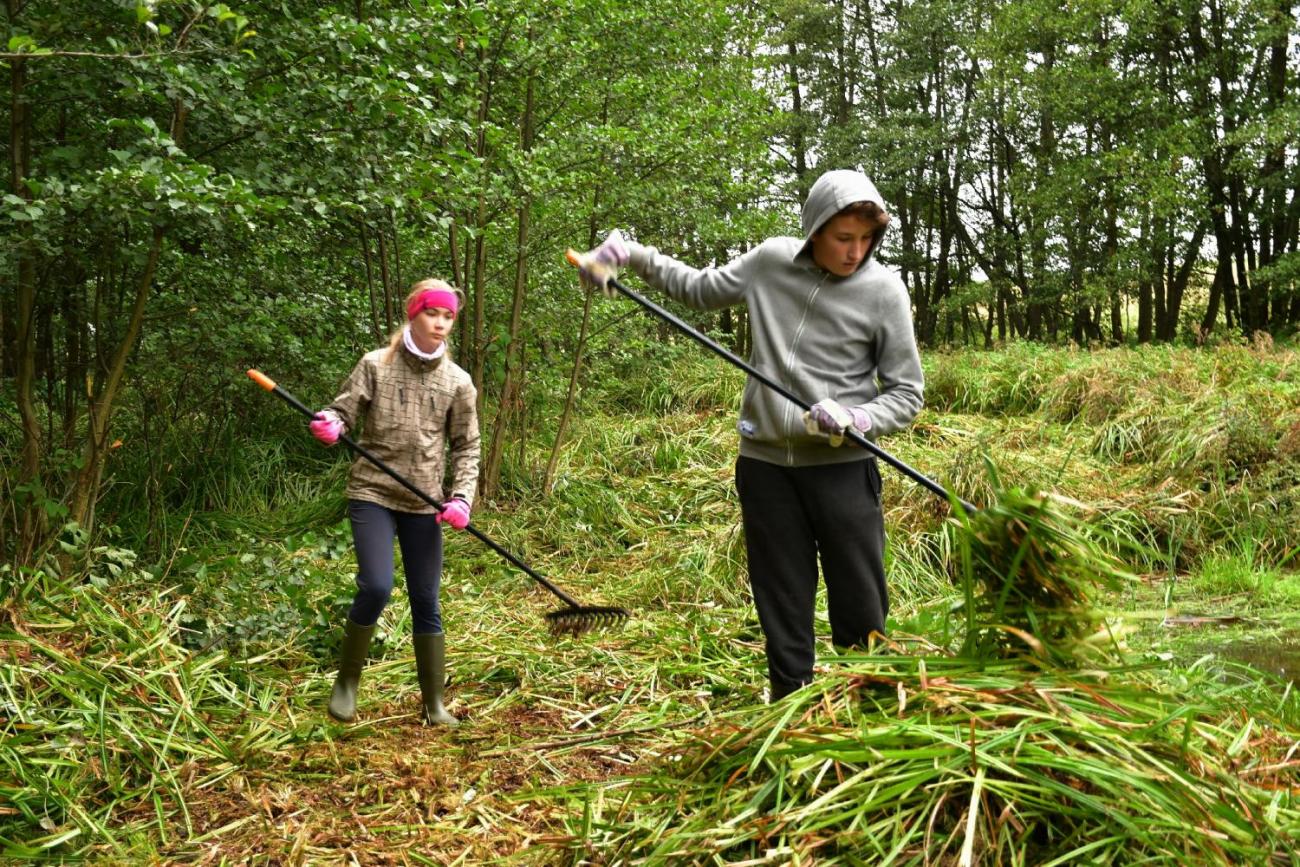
column 840, row 246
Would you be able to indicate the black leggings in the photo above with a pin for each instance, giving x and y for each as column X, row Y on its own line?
column 791, row 516
column 373, row 529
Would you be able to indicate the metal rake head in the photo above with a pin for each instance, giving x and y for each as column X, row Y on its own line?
column 583, row 618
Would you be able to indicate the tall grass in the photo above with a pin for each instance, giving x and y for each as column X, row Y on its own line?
column 1205, row 442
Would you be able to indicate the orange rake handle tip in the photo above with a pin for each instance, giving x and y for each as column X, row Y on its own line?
column 261, row 379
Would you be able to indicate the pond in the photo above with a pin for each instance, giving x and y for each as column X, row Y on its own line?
column 1278, row 656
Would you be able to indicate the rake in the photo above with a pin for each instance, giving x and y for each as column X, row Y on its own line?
column 573, row 620
column 852, row 435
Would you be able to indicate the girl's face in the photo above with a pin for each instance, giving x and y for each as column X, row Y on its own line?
column 431, row 326
column 840, row 246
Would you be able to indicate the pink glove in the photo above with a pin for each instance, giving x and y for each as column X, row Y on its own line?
column 455, row 512
column 830, row 417
column 326, row 427
column 596, row 267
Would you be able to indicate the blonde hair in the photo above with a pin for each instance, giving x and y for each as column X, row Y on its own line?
column 395, row 339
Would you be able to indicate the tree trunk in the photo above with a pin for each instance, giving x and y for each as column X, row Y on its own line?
column 797, row 143
column 74, row 361
column 370, row 283
column 463, row 256
column 398, row 283
column 1213, row 161
column 85, row 492
column 1293, row 244
column 453, row 255
column 1110, row 253
column 32, row 523
column 385, row 280
column 1160, row 271
column 1273, row 219
column 1168, row 328
column 1211, row 317
column 570, row 397
column 478, row 352
column 86, row 488
column 512, row 388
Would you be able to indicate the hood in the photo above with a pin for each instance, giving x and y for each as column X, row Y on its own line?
column 833, row 192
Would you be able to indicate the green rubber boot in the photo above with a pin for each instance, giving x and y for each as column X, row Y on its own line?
column 430, row 664
column 356, row 643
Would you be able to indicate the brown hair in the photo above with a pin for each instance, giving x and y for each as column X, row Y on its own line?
column 395, row 339
column 869, row 211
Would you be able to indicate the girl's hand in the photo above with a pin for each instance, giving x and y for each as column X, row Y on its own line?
column 326, row 427
column 455, row 512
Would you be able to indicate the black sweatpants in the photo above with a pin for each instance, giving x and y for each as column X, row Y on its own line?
column 791, row 516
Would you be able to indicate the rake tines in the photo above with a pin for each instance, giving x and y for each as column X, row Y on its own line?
column 578, row 619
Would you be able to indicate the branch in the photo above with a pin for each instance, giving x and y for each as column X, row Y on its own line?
column 178, row 51
column 40, row 55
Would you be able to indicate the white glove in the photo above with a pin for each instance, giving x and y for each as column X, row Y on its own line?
column 830, row 417
column 598, row 266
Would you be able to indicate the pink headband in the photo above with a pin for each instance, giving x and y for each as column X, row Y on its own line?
column 432, row 298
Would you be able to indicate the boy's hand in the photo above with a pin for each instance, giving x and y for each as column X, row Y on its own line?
column 829, row 417
column 598, row 266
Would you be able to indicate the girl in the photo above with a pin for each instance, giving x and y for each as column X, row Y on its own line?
column 418, row 407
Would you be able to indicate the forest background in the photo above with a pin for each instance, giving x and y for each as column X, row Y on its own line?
column 198, row 188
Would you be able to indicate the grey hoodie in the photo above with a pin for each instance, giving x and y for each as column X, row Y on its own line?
column 847, row 338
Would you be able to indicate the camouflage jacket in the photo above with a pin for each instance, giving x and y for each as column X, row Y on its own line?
column 415, row 412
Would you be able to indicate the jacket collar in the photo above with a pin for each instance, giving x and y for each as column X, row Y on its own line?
column 419, row 365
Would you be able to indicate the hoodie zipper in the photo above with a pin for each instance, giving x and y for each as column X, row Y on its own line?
column 789, row 365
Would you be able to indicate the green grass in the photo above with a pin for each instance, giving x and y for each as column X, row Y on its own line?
column 169, row 706
column 1241, row 572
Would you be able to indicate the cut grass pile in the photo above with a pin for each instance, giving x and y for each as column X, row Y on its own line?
column 1005, row 752
column 110, row 724
column 1031, row 573
column 932, row 759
